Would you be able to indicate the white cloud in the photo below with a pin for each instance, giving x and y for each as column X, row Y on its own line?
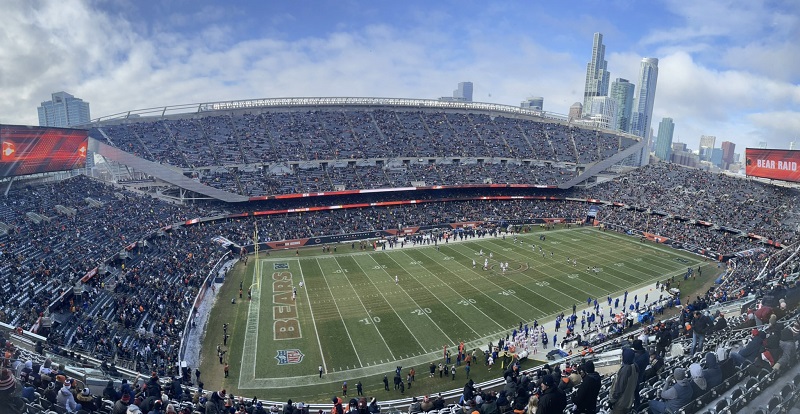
column 118, row 65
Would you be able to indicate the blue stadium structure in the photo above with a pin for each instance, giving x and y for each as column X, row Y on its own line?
column 100, row 279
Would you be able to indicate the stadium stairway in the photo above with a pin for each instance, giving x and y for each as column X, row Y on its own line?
column 602, row 165
column 162, row 172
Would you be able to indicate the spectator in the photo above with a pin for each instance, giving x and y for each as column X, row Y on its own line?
column 533, row 405
column 700, row 326
column 699, row 384
column 10, row 401
column 66, row 400
column 788, row 347
column 675, row 397
column 712, row 372
column 551, row 399
column 754, row 348
column 623, row 388
column 585, row 398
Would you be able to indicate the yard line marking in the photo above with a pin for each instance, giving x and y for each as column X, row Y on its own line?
column 477, row 289
column 389, row 303
column 477, row 273
column 347, row 331
column 365, row 309
column 415, row 304
column 514, row 280
column 313, row 320
column 437, row 297
column 548, row 276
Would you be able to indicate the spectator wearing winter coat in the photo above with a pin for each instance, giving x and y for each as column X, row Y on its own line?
column 552, row 400
column 66, row 400
column 753, row 348
column 699, row 384
column 623, row 387
column 640, row 359
column 654, row 366
column 674, row 397
column 788, row 350
column 585, row 397
column 712, row 371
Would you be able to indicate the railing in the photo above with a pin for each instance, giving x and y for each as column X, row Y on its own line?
column 162, row 111
column 200, row 295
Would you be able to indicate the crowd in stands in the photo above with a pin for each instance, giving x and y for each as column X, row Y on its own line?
column 335, row 134
column 340, row 137
column 135, row 310
column 745, row 205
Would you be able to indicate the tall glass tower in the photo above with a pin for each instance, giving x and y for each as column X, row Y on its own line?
column 596, row 74
column 664, row 141
column 622, row 93
column 642, row 117
column 63, row 110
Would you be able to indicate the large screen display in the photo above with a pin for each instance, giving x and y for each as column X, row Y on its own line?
column 30, row 150
column 773, row 163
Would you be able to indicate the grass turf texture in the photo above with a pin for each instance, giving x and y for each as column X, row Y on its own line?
column 353, row 319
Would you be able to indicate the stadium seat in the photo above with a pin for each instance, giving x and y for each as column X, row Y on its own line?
column 773, row 404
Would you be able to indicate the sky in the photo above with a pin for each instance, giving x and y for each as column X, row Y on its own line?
column 728, row 68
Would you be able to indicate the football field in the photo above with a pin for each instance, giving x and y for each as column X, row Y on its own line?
column 360, row 314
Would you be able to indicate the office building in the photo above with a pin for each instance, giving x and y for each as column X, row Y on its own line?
column 707, row 141
column 716, row 157
column 596, row 74
column 622, row 93
column 727, row 153
column 63, row 110
column 762, row 144
column 602, row 113
column 534, row 102
column 575, row 111
column 645, row 99
column 464, row 92
column 664, row 139
column 792, row 145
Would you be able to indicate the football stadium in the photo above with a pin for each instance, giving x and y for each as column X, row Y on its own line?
column 397, row 254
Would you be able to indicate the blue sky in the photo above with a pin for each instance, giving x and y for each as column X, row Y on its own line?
column 727, row 68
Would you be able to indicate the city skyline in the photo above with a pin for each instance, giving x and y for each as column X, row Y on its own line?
column 735, row 77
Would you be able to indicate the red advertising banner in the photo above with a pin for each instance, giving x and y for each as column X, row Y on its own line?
column 30, row 150
column 773, row 163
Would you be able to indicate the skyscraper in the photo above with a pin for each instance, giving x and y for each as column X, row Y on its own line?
column 464, row 92
column 664, row 141
column 622, row 93
column 63, row 110
column 596, row 74
column 727, row 154
column 645, row 97
column 707, row 143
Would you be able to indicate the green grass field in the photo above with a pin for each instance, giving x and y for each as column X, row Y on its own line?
column 351, row 317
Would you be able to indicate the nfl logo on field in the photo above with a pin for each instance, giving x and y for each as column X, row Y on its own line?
column 289, row 356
